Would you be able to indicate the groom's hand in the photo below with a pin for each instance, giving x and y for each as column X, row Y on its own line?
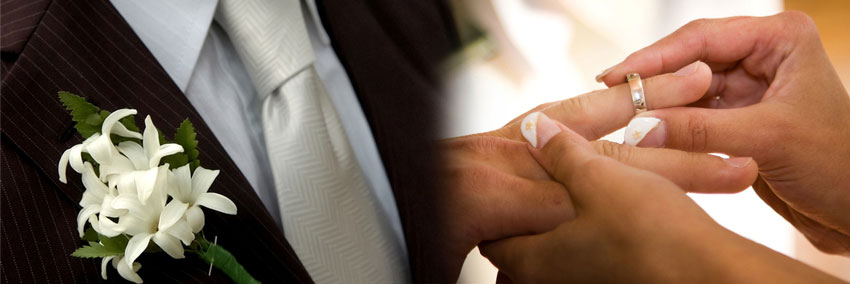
column 495, row 189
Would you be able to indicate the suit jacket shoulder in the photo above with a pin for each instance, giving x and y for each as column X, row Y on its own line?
column 85, row 47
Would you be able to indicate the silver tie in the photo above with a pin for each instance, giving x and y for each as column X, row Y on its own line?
column 329, row 215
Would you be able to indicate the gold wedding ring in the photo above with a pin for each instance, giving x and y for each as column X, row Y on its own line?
column 636, row 89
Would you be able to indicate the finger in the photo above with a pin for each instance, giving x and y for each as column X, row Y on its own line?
column 719, row 42
column 505, row 205
column 702, row 130
column 598, row 113
column 566, row 156
column 509, row 156
column 693, row 172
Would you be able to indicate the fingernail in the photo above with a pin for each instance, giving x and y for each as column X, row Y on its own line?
column 538, row 129
column 687, row 70
column 605, row 72
column 738, row 162
column 645, row 131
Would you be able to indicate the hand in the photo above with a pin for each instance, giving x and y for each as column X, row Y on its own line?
column 774, row 96
column 494, row 189
column 631, row 225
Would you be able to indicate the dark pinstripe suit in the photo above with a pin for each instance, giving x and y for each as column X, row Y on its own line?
column 388, row 48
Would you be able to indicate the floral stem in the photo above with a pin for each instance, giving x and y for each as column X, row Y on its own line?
column 224, row 261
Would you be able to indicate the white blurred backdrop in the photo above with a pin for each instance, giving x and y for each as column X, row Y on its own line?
column 548, row 50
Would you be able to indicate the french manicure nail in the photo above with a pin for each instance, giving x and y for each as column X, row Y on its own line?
column 529, row 128
column 538, row 129
column 645, row 131
column 687, row 70
column 604, row 72
column 738, row 162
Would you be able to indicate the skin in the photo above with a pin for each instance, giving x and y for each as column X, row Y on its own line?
column 774, row 96
column 632, row 225
column 495, row 189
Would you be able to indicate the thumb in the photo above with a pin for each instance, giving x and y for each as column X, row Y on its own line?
column 563, row 153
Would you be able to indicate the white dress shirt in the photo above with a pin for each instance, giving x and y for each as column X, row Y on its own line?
column 199, row 57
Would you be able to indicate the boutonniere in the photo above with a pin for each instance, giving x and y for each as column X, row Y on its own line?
column 143, row 192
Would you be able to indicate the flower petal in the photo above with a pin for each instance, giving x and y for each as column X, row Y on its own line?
column 109, row 228
column 136, row 246
column 101, row 149
column 217, row 202
column 107, row 209
column 201, row 181
column 121, row 130
column 145, row 181
column 183, row 180
column 172, row 213
column 103, row 266
column 126, row 271
column 113, row 118
column 151, row 140
column 164, row 150
column 169, row 244
column 195, row 218
column 182, row 231
column 93, row 184
column 135, row 153
column 83, row 216
column 63, row 165
column 120, row 165
column 131, row 203
column 75, row 158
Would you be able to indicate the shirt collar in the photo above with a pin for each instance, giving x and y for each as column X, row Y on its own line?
column 173, row 30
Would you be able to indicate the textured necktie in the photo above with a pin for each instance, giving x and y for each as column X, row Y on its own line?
column 329, row 215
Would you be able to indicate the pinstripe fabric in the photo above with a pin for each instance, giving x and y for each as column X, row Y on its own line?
column 86, row 48
column 329, row 214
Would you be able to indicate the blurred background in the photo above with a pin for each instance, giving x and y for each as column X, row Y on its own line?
column 521, row 53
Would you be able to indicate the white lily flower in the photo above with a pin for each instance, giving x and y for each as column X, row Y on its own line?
column 74, row 155
column 102, row 149
column 155, row 220
column 97, row 199
column 127, row 271
column 193, row 190
column 143, row 161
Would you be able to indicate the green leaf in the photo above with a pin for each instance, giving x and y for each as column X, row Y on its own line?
column 185, row 137
column 226, row 262
column 90, row 235
column 95, row 250
column 116, row 243
column 130, row 123
column 83, row 113
column 175, row 160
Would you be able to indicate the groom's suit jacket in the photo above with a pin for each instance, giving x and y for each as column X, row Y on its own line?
column 389, row 48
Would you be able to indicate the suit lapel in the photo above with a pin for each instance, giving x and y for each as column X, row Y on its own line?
column 391, row 50
column 85, row 47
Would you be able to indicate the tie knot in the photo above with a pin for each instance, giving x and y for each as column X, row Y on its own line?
column 270, row 37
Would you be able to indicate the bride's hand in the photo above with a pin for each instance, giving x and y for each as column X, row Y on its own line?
column 631, row 225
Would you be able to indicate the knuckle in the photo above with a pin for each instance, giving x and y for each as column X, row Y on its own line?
column 698, row 24
column 592, row 168
column 800, row 22
column 612, row 150
column 576, row 107
column 698, row 133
